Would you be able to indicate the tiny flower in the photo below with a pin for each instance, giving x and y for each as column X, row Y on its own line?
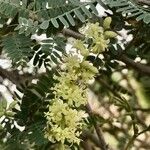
column 79, row 45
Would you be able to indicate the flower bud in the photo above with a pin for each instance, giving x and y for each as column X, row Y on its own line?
column 110, row 34
column 107, row 22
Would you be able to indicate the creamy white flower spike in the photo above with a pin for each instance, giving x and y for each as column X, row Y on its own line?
column 66, row 117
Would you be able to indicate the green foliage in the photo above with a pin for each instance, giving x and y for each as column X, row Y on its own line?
column 40, row 14
column 49, row 51
column 27, row 26
column 17, row 47
column 56, row 14
column 63, row 12
column 10, row 8
column 130, row 9
column 32, row 136
column 34, row 100
column 119, row 90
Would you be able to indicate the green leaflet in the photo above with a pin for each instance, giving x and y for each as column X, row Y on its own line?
column 56, row 13
column 44, row 25
column 130, row 9
column 17, row 47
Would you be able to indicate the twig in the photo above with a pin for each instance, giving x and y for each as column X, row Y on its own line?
column 86, row 145
column 98, row 130
column 13, row 76
column 146, row 2
column 16, row 78
column 142, row 109
column 74, row 34
column 137, row 66
column 87, row 135
column 145, row 130
column 134, row 137
column 122, row 57
column 136, row 133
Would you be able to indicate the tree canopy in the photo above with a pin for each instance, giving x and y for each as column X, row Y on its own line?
column 78, row 78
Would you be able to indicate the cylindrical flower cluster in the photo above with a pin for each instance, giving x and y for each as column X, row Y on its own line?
column 66, row 116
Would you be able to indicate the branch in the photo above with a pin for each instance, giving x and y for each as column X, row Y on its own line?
column 131, row 141
column 142, row 109
column 145, row 130
column 87, row 135
column 136, row 133
column 146, row 2
column 74, row 34
column 137, row 66
column 86, row 145
column 15, row 77
column 122, row 57
column 98, row 130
